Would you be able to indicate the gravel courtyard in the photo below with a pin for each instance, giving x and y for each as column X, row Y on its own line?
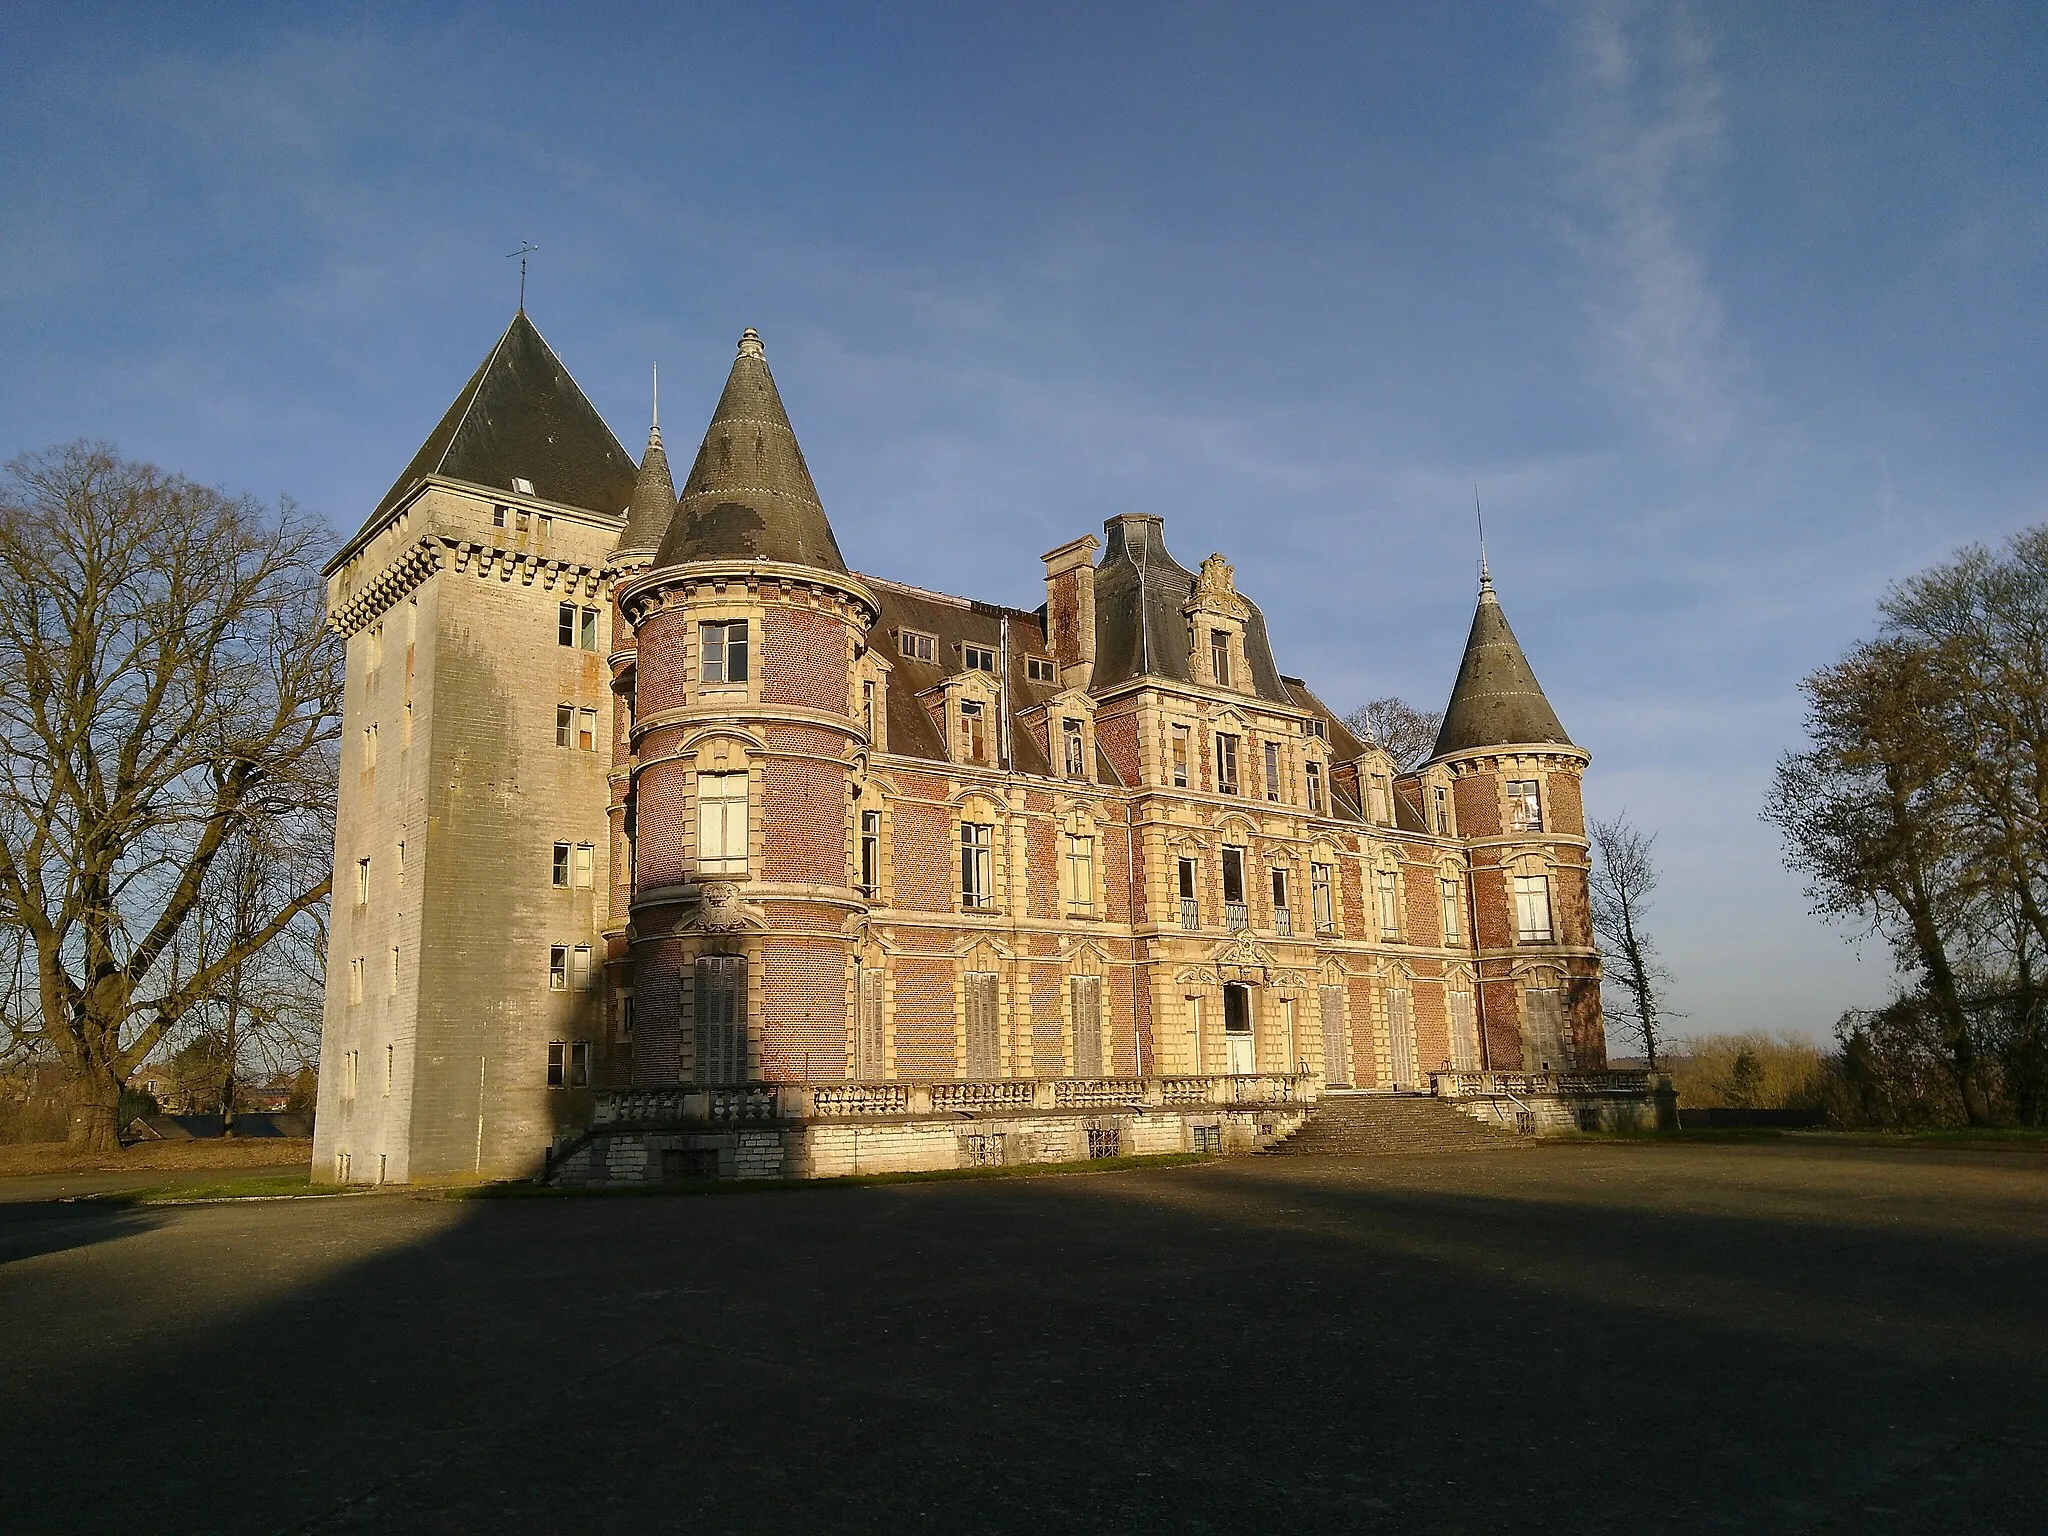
column 1761, row 1336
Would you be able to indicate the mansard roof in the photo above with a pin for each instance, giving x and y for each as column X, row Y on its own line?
column 521, row 417
column 749, row 496
column 1141, row 627
column 1496, row 701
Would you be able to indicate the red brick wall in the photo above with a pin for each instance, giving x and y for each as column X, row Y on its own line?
column 926, row 856
column 1477, row 797
column 1048, row 1021
column 804, row 809
column 1118, row 738
column 1567, row 812
column 1503, row 1025
column 1365, row 1071
column 925, row 1019
column 1063, row 616
column 665, row 811
column 806, row 659
column 804, row 1002
column 657, row 1004
column 663, row 662
column 1042, row 856
column 1432, row 1028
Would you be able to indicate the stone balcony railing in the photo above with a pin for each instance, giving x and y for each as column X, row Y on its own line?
column 761, row 1103
column 1541, row 1085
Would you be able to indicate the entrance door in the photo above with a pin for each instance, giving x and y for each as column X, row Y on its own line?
column 1237, row 1029
column 1401, row 1038
column 1336, row 1058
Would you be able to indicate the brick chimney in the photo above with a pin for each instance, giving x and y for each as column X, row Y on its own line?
column 1070, row 609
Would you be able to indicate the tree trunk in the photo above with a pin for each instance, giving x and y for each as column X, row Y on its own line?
column 95, row 1111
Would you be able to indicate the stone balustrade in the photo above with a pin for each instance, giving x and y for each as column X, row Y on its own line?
column 762, row 1103
column 1547, row 1085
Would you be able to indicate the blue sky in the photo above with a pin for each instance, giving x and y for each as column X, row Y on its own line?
column 1734, row 313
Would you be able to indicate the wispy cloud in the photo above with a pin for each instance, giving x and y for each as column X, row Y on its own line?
column 1643, row 135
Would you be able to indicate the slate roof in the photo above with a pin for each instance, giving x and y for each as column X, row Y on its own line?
column 1140, row 629
column 521, row 416
column 654, row 500
column 1496, row 701
column 749, row 495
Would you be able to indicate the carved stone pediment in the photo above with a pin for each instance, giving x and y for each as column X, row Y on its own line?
column 1243, row 959
column 1215, row 591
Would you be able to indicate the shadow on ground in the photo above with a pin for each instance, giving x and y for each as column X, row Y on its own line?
column 1581, row 1339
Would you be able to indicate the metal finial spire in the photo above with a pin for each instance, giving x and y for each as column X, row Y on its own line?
column 1485, row 577
column 526, row 248
column 657, row 397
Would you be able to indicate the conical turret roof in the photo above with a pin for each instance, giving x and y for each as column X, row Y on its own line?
column 1496, row 701
column 749, row 496
column 521, row 417
column 654, row 500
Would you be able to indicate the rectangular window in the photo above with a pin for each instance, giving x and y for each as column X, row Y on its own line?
column 588, row 636
column 565, row 624
column 1532, row 909
column 586, row 730
column 1233, row 876
column 1550, row 1042
column 1086, row 992
column 867, row 708
column 522, row 519
column 1320, row 898
column 497, row 517
column 565, row 725
column 973, row 731
column 870, row 851
column 1081, row 873
column 579, row 968
column 1272, row 770
column 1178, row 748
column 579, row 1063
column 1379, row 805
column 1313, row 775
column 1464, row 1034
column 1525, row 806
column 558, row 1063
column 561, row 868
column 1388, row 883
column 1074, row 744
column 1226, row 764
column 1443, row 811
column 721, row 1019
column 722, row 651
column 721, row 823
column 558, row 968
column 918, row 647
column 1219, row 658
column 1190, row 907
column 625, row 1017
column 585, row 867
column 1283, row 916
column 977, row 883
column 1039, row 669
column 978, row 658
column 362, row 882
column 1453, row 925
column 355, row 980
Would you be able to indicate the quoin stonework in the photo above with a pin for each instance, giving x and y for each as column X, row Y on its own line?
column 670, row 846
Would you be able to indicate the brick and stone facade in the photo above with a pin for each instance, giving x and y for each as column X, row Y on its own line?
column 1095, row 874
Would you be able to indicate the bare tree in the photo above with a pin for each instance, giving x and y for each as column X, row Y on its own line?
column 1406, row 733
column 167, row 693
column 1624, row 875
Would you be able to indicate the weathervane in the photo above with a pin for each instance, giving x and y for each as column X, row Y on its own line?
column 526, row 248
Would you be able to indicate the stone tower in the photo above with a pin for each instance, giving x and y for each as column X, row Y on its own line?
column 463, row 1014
column 746, row 740
column 1513, row 781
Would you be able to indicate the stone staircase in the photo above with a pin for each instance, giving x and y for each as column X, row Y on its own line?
column 1373, row 1124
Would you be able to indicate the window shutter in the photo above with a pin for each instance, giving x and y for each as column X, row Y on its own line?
column 1087, row 997
column 1336, row 1055
column 984, row 1053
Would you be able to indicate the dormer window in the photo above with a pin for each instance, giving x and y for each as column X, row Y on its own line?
column 1442, row 797
column 1378, row 804
column 1039, row 669
column 1179, row 751
column 916, row 645
column 523, row 487
column 1314, row 775
column 1074, row 749
column 974, row 730
column 1219, row 658
column 978, row 658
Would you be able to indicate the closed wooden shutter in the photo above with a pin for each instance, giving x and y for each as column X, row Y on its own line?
column 721, row 1019
column 1087, row 995
column 984, row 1055
column 1464, row 1035
column 1336, row 1057
column 868, row 1065
column 1401, row 1038
column 1549, row 1046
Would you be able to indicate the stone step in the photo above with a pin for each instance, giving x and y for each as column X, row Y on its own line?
column 1355, row 1125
